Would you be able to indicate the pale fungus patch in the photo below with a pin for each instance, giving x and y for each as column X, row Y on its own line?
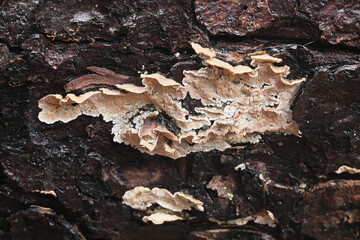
column 160, row 218
column 239, row 69
column 203, row 51
column 141, row 198
column 238, row 105
column 265, row 58
column 46, row 192
column 263, row 217
column 347, row 169
column 171, row 206
column 241, row 166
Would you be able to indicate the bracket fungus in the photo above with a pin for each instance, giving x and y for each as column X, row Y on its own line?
column 160, row 218
column 238, row 105
column 263, row 217
column 141, row 198
column 171, row 206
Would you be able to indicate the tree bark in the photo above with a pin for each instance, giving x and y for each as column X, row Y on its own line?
column 66, row 181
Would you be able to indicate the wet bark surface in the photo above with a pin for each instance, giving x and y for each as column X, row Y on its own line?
column 66, row 181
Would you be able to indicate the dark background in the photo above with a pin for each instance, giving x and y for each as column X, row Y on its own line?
column 45, row 44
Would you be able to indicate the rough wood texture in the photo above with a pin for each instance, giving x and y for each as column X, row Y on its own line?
column 66, row 181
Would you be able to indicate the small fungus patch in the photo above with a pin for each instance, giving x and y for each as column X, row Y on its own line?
column 141, row 198
column 263, row 217
column 160, row 218
column 347, row 169
column 171, row 206
column 239, row 103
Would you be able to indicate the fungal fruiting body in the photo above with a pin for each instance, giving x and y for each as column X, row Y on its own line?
column 238, row 104
column 264, row 217
column 171, row 206
column 141, row 198
column 347, row 169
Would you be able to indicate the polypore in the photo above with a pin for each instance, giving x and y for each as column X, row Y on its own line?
column 238, row 105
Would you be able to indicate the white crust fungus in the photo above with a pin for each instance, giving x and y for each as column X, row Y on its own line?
column 239, row 104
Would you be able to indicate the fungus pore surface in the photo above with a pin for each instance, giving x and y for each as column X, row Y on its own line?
column 239, row 103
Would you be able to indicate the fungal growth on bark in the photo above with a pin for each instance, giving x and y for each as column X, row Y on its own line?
column 141, row 198
column 264, row 217
column 239, row 103
column 347, row 169
column 171, row 206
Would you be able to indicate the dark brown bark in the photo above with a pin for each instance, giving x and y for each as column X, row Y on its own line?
column 46, row 44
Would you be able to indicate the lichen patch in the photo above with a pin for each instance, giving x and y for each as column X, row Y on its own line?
column 238, row 105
